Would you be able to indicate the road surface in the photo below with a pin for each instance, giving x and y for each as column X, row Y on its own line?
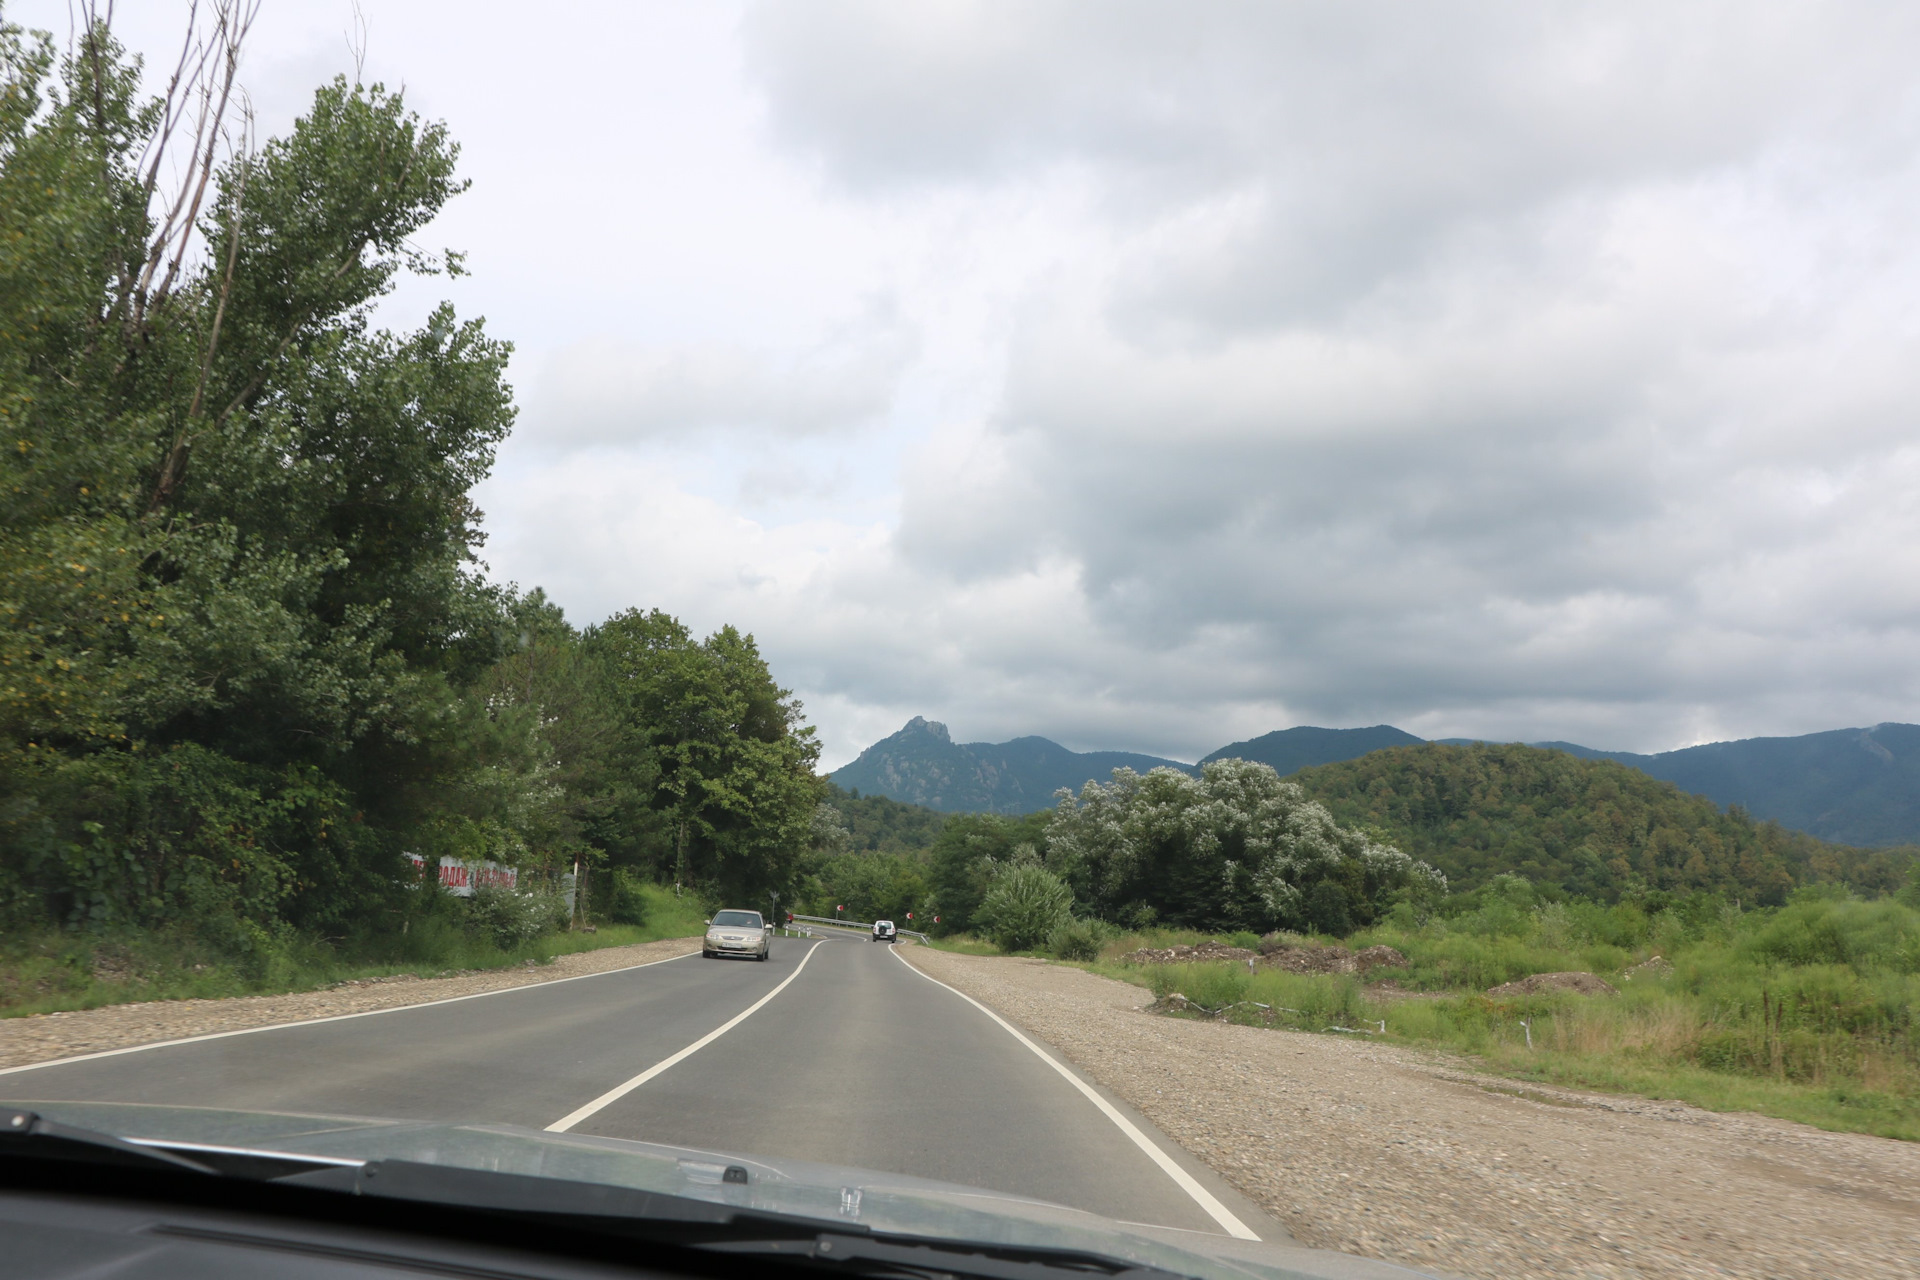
column 857, row 1059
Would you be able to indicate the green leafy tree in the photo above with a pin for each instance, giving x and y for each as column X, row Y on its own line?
column 964, row 856
column 871, row 886
column 1235, row 848
column 247, row 660
column 730, row 757
column 236, row 547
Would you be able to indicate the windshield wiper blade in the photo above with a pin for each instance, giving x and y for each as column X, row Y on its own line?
column 920, row 1259
column 719, row 1228
column 26, row 1134
column 654, row 1214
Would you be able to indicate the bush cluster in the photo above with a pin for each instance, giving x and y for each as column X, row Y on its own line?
column 509, row 918
column 1026, row 904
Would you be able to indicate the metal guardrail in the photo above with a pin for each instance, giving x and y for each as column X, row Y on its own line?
column 865, row 926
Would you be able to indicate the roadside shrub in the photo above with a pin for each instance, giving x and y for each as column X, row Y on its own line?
column 1074, row 940
column 627, row 904
column 1866, row 935
column 508, row 918
column 1025, row 905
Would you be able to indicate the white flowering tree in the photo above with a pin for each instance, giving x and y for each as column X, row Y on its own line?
column 1236, row 848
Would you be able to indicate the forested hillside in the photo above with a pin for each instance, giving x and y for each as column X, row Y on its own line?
column 1854, row 786
column 1588, row 827
column 248, row 662
column 876, row 824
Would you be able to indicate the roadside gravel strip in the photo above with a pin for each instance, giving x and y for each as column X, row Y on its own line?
column 1409, row 1157
column 47, row 1036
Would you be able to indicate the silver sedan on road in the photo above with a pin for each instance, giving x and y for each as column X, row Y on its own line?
column 737, row 933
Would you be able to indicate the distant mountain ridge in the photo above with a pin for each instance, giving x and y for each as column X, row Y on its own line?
column 1302, row 747
column 1851, row 786
column 922, row 764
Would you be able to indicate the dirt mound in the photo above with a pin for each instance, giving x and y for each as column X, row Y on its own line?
column 1583, row 983
column 1296, row 959
column 1209, row 950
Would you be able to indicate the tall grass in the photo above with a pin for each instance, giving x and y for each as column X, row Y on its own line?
column 52, row 970
column 1804, row 1012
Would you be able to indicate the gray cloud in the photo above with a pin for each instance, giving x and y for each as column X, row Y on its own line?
column 1546, row 371
column 620, row 391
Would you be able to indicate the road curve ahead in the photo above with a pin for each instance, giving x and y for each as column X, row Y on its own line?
column 857, row 1059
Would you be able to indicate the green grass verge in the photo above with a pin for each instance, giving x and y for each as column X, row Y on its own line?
column 54, row 970
column 1806, row 1013
column 1659, row 1038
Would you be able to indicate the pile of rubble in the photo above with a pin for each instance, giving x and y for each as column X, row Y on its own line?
column 1300, row 958
column 1278, row 954
column 1538, row 984
column 1208, row 950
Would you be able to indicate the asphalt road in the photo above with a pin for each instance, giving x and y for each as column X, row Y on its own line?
column 859, row 1060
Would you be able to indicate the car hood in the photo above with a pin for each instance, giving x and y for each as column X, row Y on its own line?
column 834, row 1194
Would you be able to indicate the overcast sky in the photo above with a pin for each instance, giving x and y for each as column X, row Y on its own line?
column 1150, row 376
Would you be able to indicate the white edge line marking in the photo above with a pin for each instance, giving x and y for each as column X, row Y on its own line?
column 337, row 1017
column 1201, row 1196
column 618, row 1092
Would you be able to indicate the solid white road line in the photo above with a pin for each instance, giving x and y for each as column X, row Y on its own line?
column 338, row 1017
column 1201, row 1196
column 614, row 1095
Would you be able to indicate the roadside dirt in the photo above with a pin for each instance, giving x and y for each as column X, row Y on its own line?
column 63, row 1035
column 1410, row 1157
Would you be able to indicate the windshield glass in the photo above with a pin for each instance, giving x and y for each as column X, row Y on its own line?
column 1338, row 583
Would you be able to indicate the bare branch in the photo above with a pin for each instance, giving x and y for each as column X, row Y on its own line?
column 357, row 43
column 172, row 102
column 235, row 19
column 194, row 87
column 173, row 468
column 226, row 278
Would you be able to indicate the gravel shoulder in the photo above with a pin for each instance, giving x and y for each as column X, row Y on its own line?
column 46, row 1036
column 1413, row 1158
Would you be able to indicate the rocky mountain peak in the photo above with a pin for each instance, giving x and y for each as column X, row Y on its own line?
column 921, row 725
